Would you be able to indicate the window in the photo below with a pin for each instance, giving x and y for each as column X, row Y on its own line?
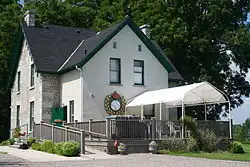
column 114, row 45
column 18, row 81
column 71, row 110
column 115, row 71
column 32, row 104
column 139, row 48
column 138, row 72
column 17, row 116
column 32, row 74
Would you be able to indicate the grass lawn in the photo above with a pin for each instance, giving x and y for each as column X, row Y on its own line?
column 215, row 155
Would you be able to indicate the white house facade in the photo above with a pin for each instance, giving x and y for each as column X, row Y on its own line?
column 78, row 75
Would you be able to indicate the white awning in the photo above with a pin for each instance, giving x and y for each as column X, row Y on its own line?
column 194, row 94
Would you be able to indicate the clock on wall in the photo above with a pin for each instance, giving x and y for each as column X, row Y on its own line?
column 115, row 104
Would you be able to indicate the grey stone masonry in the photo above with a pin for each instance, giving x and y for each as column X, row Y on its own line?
column 45, row 93
column 50, row 94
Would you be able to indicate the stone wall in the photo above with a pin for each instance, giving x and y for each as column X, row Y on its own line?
column 27, row 93
column 50, row 94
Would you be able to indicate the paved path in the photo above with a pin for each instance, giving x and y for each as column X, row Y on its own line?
column 132, row 160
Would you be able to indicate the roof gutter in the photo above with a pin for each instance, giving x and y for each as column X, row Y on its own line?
column 82, row 91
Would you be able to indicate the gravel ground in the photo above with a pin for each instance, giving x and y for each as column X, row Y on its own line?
column 135, row 160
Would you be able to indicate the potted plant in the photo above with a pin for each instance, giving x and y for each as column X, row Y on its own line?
column 16, row 134
column 122, row 148
column 153, row 147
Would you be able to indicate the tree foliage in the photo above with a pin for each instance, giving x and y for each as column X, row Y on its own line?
column 10, row 17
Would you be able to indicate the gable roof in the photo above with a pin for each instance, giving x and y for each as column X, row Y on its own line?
column 51, row 46
column 95, row 43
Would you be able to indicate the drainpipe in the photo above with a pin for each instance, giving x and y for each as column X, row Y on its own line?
column 82, row 92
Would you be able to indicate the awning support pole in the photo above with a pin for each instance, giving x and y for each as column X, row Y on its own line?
column 205, row 111
column 230, row 121
column 182, row 117
column 160, row 120
column 142, row 114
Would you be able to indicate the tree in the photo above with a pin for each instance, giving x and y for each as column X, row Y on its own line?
column 73, row 13
column 201, row 37
column 10, row 17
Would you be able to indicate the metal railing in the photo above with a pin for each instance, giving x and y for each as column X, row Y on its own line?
column 59, row 134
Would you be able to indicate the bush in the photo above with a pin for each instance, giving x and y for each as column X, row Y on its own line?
column 11, row 141
column 31, row 141
column 208, row 140
column 58, row 148
column 70, row 148
column 173, row 145
column 191, row 144
column 37, row 146
column 236, row 147
column 5, row 143
column 48, row 146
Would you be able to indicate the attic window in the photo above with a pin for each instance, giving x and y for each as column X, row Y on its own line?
column 86, row 51
column 114, row 45
column 139, row 48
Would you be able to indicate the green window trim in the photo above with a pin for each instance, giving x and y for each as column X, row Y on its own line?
column 117, row 60
column 139, row 63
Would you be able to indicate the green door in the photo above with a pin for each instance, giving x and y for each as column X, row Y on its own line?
column 57, row 116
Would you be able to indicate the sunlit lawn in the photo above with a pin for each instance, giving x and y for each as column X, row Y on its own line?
column 215, row 155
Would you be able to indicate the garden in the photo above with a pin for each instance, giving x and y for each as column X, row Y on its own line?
column 204, row 143
column 69, row 148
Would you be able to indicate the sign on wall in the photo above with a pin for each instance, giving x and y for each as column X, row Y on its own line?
column 115, row 104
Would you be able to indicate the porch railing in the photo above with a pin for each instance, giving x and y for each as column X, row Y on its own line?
column 59, row 134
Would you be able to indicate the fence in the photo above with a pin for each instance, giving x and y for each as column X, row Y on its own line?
column 92, row 128
column 59, row 134
column 157, row 129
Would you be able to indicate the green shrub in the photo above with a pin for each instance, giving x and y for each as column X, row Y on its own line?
column 36, row 146
column 191, row 144
column 31, row 141
column 236, row 147
column 11, row 141
column 5, row 143
column 208, row 140
column 173, row 145
column 48, row 146
column 70, row 148
column 58, row 148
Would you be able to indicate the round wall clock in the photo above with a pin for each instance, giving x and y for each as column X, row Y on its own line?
column 114, row 104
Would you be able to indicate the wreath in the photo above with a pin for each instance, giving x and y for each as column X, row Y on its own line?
column 107, row 104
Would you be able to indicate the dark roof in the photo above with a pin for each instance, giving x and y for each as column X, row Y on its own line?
column 89, row 45
column 51, row 46
column 95, row 43
column 175, row 76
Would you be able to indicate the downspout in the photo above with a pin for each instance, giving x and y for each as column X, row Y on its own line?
column 82, row 91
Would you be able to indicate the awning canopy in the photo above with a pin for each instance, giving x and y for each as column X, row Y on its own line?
column 194, row 94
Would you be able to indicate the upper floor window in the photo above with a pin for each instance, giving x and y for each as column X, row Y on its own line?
column 114, row 45
column 139, row 48
column 115, row 71
column 18, row 81
column 32, row 75
column 138, row 72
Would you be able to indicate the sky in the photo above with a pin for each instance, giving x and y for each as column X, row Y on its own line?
column 240, row 114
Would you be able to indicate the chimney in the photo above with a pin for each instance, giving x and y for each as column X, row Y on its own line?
column 146, row 30
column 29, row 18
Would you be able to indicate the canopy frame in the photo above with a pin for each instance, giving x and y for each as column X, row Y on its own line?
column 183, row 105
